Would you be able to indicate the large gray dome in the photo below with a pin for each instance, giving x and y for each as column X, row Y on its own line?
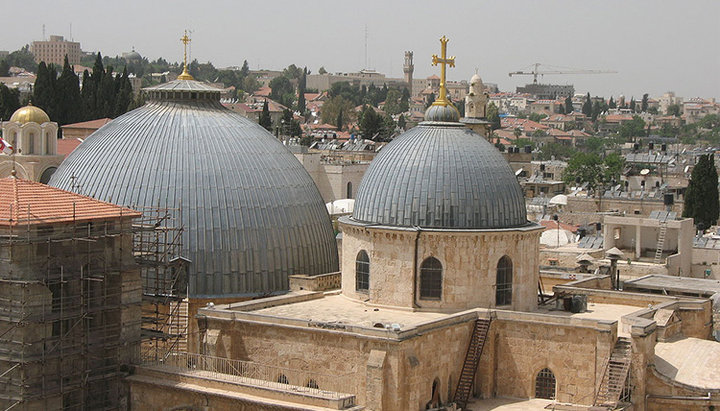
column 440, row 175
column 251, row 213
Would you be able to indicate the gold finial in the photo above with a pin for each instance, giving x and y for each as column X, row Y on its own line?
column 443, row 61
column 185, row 75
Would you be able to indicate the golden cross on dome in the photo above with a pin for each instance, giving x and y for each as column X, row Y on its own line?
column 185, row 75
column 443, row 61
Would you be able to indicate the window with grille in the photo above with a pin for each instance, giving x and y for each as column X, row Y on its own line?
column 431, row 279
column 312, row 384
column 282, row 379
column 503, row 283
column 362, row 271
column 545, row 384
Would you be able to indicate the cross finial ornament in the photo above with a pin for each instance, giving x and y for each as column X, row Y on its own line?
column 185, row 75
column 443, row 60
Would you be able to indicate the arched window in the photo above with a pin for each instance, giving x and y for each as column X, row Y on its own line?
column 503, row 282
column 362, row 271
column 282, row 379
column 431, row 279
column 545, row 384
column 312, row 384
column 30, row 149
column 349, row 190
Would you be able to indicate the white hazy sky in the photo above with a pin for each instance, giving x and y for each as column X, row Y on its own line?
column 655, row 45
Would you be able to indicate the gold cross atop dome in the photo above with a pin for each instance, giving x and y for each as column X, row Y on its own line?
column 185, row 75
column 443, row 61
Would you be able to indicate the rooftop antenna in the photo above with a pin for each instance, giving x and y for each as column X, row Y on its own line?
column 366, row 38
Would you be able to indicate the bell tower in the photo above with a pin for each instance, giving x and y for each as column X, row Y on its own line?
column 408, row 69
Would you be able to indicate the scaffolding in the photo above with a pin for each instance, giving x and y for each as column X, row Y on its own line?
column 157, row 248
column 69, row 298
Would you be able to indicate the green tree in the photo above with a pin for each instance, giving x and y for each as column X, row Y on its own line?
column 9, row 101
column 587, row 106
column 633, row 105
column 644, row 103
column 392, row 102
column 611, row 103
column 584, row 168
column 388, row 127
column 555, row 150
column 673, row 110
column 431, row 100
column 701, row 197
column 493, row 116
column 339, row 123
column 68, row 99
column 370, row 123
column 632, row 128
column 293, row 72
column 331, row 110
column 405, row 100
column 282, row 91
column 22, row 58
column 401, row 122
column 595, row 144
column 44, row 91
column 568, row 105
column 265, row 119
column 4, row 68
column 250, row 84
column 245, row 70
column 596, row 110
column 322, row 70
column 536, row 116
column 302, row 84
column 614, row 164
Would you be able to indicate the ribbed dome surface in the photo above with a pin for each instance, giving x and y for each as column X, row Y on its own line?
column 251, row 213
column 440, row 175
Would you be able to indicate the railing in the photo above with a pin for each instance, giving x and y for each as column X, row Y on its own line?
column 299, row 381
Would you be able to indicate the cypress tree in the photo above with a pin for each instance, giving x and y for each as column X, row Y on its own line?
column 611, row 103
column 9, row 101
column 301, row 92
column 88, row 96
column 568, row 105
column 644, row 103
column 632, row 104
column 401, row 122
column 124, row 94
column 587, row 106
column 339, row 121
column 701, row 197
column 265, row 119
column 68, row 97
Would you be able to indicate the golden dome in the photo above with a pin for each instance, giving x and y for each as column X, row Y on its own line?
column 30, row 114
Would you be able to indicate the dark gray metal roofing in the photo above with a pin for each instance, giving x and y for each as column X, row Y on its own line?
column 251, row 213
column 440, row 175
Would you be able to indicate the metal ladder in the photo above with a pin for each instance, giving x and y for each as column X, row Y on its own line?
column 615, row 375
column 660, row 242
column 472, row 358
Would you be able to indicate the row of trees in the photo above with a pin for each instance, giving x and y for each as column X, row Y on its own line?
column 103, row 94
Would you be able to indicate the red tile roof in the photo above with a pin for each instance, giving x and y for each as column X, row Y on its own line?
column 552, row 224
column 91, row 125
column 65, row 146
column 24, row 202
column 263, row 92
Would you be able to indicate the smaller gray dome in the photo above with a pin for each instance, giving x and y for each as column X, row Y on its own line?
column 444, row 113
column 440, row 175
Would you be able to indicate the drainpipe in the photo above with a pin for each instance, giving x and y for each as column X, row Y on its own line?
column 708, row 397
column 418, row 230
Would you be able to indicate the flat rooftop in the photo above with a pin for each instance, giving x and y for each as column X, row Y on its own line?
column 697, row 286
column 335, row 311
column 343, row 310
column 596, row 311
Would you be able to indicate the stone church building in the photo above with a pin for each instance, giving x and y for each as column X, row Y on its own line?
column 436, row 306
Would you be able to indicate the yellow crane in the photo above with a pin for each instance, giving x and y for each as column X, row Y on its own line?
column 535, row 72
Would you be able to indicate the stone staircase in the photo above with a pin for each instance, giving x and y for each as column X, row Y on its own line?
column 472, row 358
column 615, row 375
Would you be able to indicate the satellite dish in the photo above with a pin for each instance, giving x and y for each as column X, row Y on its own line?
column 687, row 168
column 644, row 172
column 518, row 172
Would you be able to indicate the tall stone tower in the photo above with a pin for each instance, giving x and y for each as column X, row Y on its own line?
column 408, row 69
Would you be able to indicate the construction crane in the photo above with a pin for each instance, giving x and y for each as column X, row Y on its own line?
column 535, row 72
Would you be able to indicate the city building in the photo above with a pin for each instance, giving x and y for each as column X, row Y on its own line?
column 69, row 297
column 53, row 51
column 547, row 91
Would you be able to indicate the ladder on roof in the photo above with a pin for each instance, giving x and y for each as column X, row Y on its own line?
column 660, row 242
column 472, row 358
column 615, row 375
